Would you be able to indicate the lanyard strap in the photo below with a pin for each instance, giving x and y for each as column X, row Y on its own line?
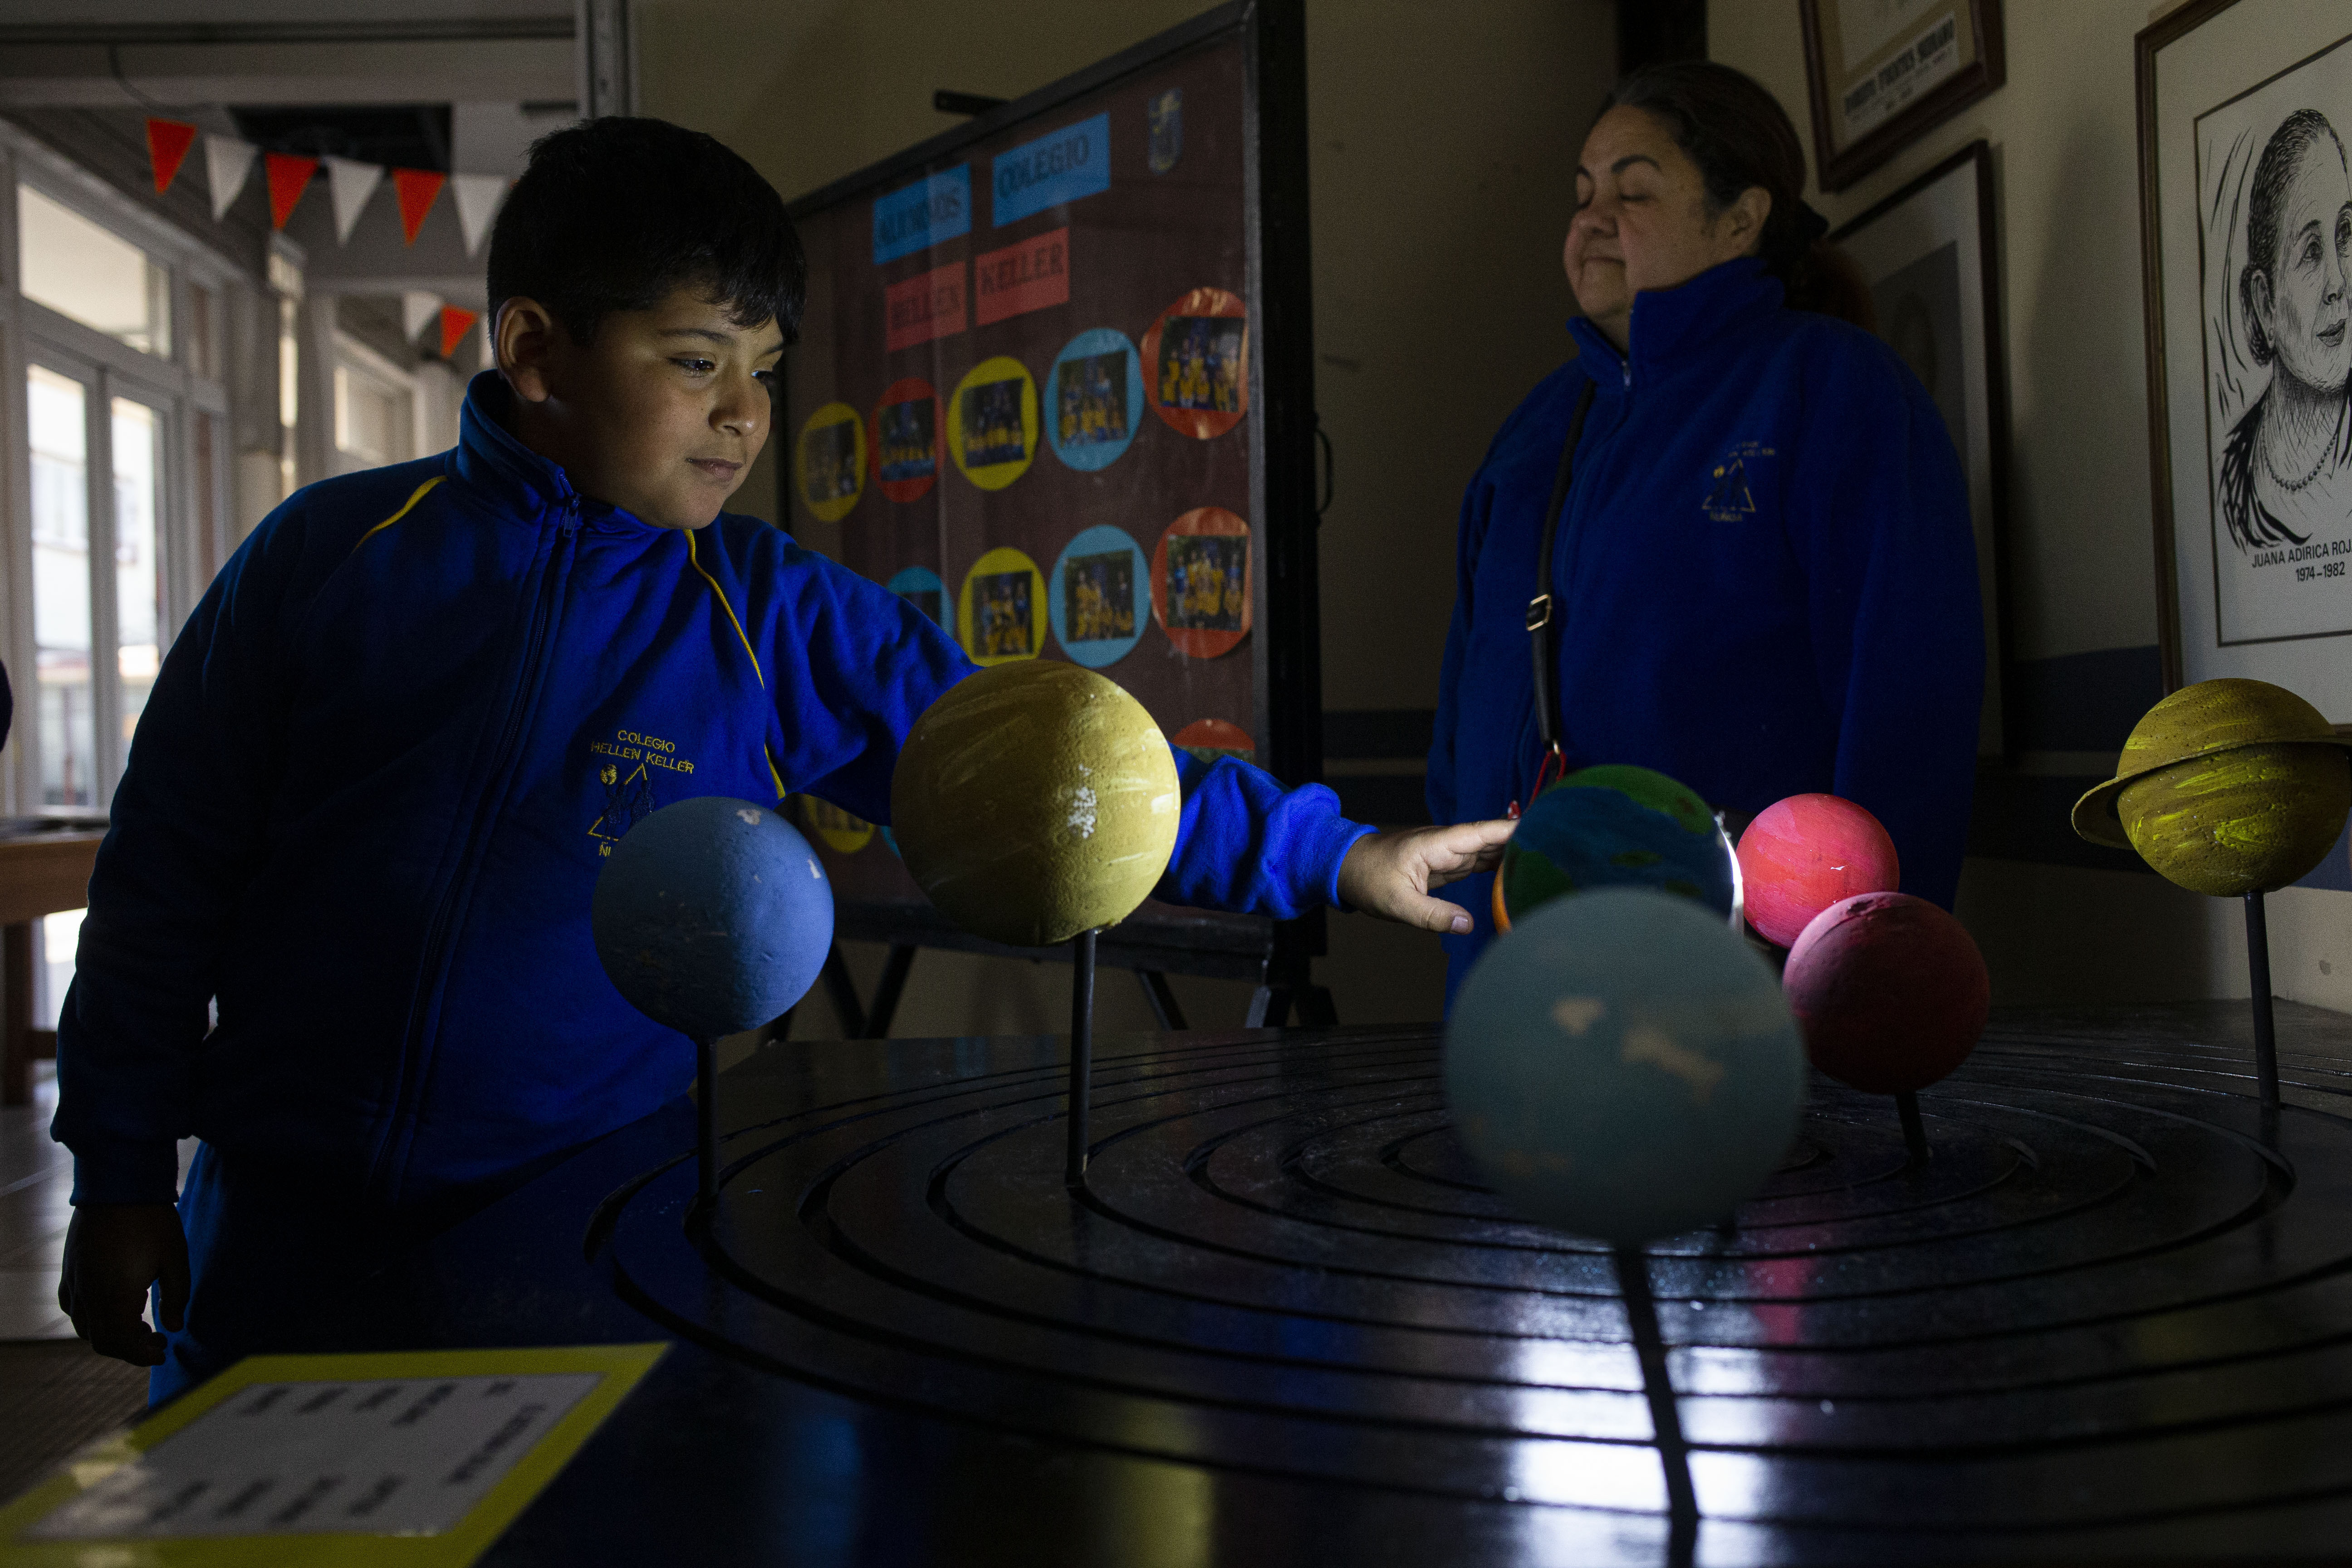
column 1543, row 612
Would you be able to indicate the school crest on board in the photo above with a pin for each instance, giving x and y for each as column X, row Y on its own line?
column 1167, row 119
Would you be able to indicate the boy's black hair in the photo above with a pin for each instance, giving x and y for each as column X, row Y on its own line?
column 615, row 213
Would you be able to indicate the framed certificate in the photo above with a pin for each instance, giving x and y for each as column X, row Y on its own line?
column 1883, row 73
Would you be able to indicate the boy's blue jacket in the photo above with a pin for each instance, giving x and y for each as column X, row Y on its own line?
column 1766, row 570
column 365, row 805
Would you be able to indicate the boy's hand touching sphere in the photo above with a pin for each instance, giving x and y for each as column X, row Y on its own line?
column 1390, row 874
column 113, row 1253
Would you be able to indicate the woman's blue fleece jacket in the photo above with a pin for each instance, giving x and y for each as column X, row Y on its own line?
column 364, row 810
column 1766, row 570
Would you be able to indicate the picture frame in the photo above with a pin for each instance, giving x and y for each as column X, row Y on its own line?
column 1930, row 254
column 2241, row 113
column 1883, row 73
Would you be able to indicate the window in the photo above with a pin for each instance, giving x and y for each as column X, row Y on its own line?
column 57, row 408
column 121, row 345
column 82, row 269
column 376, row 408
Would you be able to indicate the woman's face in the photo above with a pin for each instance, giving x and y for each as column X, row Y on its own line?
column 1641, row 219
column 2302, row 308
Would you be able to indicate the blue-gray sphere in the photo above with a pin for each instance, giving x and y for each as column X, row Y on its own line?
column 713, row 916
column 1622, row 1066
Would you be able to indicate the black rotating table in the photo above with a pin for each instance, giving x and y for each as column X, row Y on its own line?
column 2111, row 1317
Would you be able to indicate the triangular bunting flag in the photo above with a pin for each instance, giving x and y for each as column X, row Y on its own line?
column 288, row 177
column 416, row 189
column 228, row 164
column 477, row 202
column 454, row 320
column 350, row 184
column 416, row 308
column 168, row 142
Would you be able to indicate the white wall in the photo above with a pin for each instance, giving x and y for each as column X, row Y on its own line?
column 2065, row 162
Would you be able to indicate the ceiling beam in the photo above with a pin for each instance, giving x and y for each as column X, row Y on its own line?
column 162, row 76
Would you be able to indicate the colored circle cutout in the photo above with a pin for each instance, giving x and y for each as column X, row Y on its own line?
column 1100, row 595
column 992, row 422
column 839, row 829
column 829, row 461
column 920, row 586
column 1002, row 608
column 1201, row 587
column 903, row 433
column 1094, row 395
column 1210, row 739
column 1196, row 364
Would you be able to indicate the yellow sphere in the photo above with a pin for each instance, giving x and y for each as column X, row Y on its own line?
column 1035, row 801
column 2246, row 820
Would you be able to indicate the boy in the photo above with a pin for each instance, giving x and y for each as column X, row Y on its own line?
column 359, row 811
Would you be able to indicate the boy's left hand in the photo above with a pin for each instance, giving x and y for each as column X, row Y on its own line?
column 1390, row 874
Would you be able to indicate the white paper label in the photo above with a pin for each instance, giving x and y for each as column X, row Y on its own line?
column 401, row 1456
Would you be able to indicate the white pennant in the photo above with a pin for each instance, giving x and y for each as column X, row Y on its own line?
column 478, row 197
column 228, row 164
column 416, row 308
column 350, row 184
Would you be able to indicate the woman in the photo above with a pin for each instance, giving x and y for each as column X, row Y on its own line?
column 1763, row 579
column 2284, row 466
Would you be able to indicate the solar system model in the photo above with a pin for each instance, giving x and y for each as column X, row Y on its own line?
column 2233, row 789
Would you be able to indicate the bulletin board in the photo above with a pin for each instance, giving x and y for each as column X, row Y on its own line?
column 1054, row 387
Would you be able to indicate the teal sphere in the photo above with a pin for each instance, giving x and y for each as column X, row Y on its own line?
column 1622, row 1066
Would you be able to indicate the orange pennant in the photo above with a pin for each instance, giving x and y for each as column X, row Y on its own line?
column 168, row 142
column 456, row 321
column 416, row 189
column 288, row 177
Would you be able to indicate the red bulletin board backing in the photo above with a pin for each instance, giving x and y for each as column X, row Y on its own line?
column 1074, row 332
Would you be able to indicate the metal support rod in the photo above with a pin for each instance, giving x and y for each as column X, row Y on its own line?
column 1914, row 1132
column 706, row 1123
column 1082, row 1051
column 2258, row 967
column 1666, row 1419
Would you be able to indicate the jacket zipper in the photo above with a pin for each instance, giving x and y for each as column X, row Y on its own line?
column 412, row 1071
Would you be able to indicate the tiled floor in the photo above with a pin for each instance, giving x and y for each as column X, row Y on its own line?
column 36, row 1181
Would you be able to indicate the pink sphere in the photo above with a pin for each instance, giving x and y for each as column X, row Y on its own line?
column 1889, row 991
column 1805, row 853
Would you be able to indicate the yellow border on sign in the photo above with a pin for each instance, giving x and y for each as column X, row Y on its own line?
column 622, row 1366
column 994, row 475
column 834, row 507
column 1002, row 560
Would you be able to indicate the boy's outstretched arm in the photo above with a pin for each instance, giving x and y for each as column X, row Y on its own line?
column 1391, row 874
column 1248, row 843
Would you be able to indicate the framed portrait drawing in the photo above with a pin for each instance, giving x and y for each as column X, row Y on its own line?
column 2246, row 236
column 1927, row 252
column 1883, row 73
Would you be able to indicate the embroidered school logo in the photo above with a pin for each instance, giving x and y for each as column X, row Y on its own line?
column 1167, row 121
column 625, row 766
column 629, row 800
column 1730, row 499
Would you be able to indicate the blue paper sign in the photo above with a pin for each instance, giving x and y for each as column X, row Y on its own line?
column 1071, row 163
column 918, row 216
column 1099, row 595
